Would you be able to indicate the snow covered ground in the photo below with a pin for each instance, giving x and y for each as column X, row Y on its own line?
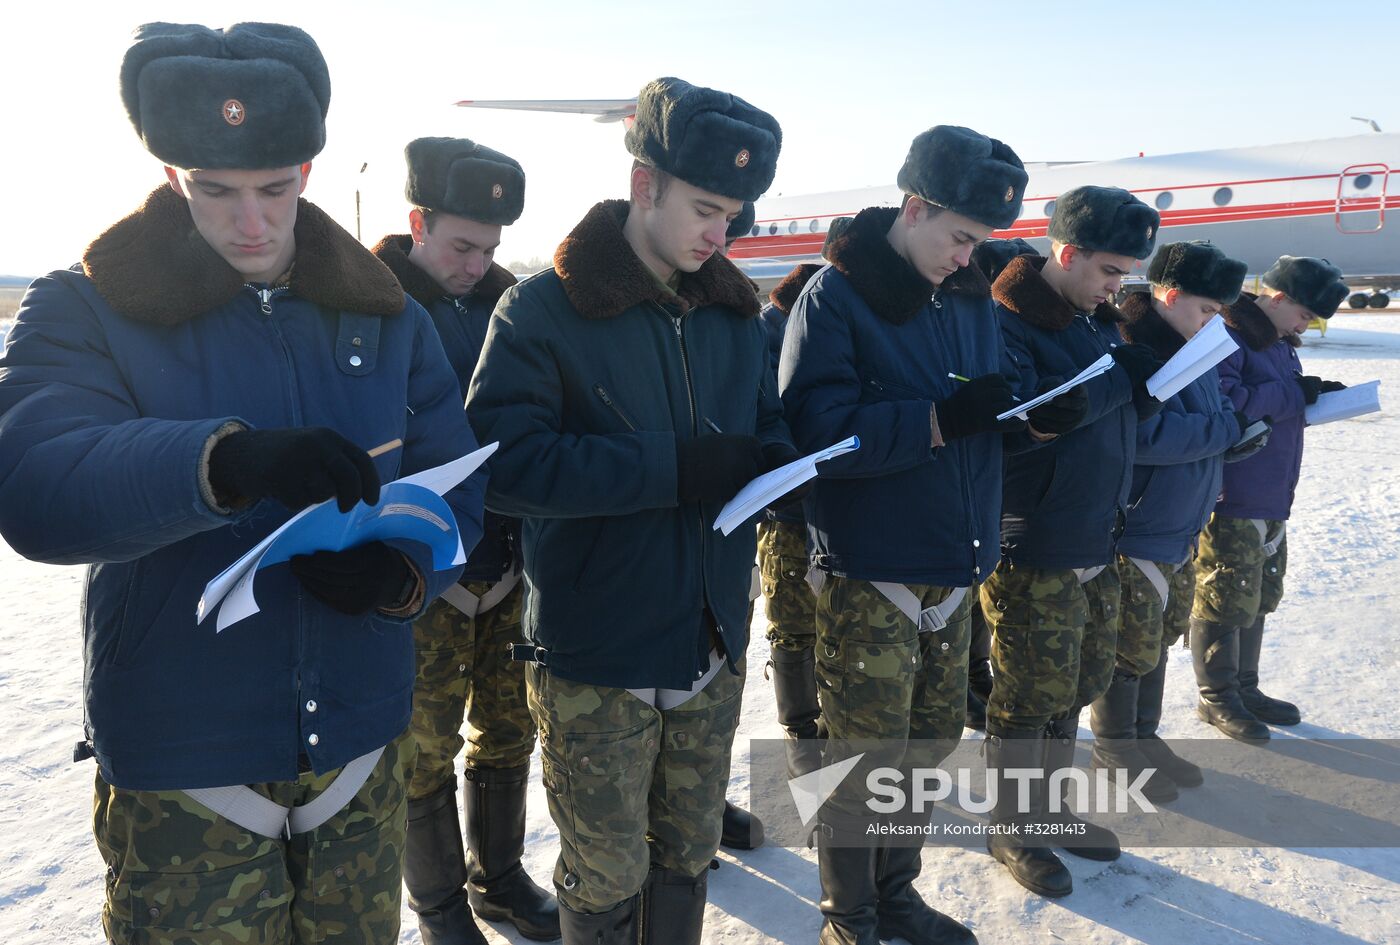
column 1333, row 649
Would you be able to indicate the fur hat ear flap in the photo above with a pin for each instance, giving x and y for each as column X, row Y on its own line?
column 992, row 256
column 742, row 224
column 1313, row 283
column 834, row 229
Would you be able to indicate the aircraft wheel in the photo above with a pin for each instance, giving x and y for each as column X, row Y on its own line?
column 1379, row 300
column 1358, row 299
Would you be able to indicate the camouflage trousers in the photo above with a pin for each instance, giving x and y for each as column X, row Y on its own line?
column 465, row 673
column 1235, row 582
column 179, row 874
column 885, row 688
column 1176, row 621
column 1054, row 643
column 788, row 600
column 1143, row 618
column 630, row 785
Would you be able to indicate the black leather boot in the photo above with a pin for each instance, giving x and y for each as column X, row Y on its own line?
column 902, row 912
column 1215, row 651
column 799, row 713
column 742, row 830
column 1113, row 718
column 498, row 887
column 849, row 894
column 673, row 906
column 1149, row 716
column 1262, row 707
column 434, row 870
column 1032, row 864
column 1087, row 840
column 617, row 926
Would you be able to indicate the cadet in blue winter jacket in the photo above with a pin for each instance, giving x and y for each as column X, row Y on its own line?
column 1052, row 603
column 1243, row 552
column 222, row 358
column 896, row 342
column 1176, row 479
column 462, row 195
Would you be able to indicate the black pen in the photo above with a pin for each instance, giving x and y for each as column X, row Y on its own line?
column 711, row 424
column 967, row 380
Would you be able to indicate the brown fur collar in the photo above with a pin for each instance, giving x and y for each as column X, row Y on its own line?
column 154, row 266
column 1247, row 318
column 393, row 252
column 892, row 288
column 1145, row 325
column 603, row 277
column 785, row 293
column 1023, row 290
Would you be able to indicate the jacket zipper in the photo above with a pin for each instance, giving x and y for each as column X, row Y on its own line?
column 676, row 323
column 606, row 398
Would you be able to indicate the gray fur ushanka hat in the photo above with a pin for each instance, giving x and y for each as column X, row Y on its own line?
column 461, row 177
column 253, row 96
column 1105, row 219
column 1198, row 269
column 1313, row 283
column 966, row 172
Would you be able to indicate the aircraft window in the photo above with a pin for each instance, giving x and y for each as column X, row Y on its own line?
column 1050, row 208
column 772, row 229
column 1223, row 196
column 815, row 226
column 792, row 227
column 756, row 231
column 1164, row 200
column 1362, row 181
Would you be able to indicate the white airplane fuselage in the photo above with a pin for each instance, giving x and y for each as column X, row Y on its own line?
column 1332, row 198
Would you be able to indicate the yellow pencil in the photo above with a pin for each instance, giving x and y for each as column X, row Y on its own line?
column 383, row 448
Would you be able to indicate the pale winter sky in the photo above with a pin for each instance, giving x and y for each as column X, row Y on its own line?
column 851, row 83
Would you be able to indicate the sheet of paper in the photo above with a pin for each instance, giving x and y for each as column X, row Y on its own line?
column 1207, row 348
column 776, row 483
column 1100, row 366
column 1345, row 404
column 411, row 507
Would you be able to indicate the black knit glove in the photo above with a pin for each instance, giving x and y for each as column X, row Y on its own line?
column 1330, row 387
column 1254, row 436
column 974, row 407
column 775, row 456
column 1061, row 414
column 713, row 468
column 1312, row 386
column 297, row 467
column 1139, row 362
column 357, row 580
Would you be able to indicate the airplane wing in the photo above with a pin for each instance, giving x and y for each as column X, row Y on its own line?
column 606, row 109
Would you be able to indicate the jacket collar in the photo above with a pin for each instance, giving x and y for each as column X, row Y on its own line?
column 1023, row 290
column 1247, row 318
column 1145, row 325
column 785, row 293
column 603, row 277
column 885, row 280
column 154, row 266
column 393, row 252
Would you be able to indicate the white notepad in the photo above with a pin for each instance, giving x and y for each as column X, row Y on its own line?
column 1345, row 404
column 775, row 484
column 1101, row 366
column 1211, row 345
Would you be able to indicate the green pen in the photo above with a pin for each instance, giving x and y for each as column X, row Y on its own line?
column 959, row 377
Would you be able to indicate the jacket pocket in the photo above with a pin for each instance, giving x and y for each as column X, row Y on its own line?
column 880, row 389
column 611, row 403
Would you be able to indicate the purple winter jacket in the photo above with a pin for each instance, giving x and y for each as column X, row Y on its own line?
column 1261, row 379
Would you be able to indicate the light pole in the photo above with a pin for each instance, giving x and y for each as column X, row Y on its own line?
column 357, row 199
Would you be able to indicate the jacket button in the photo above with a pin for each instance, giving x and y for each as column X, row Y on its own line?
column 977, row 543
column 153, row 912
column 311, row 705
column 945, row 646
column 1244, row 583
column 570, row 881
column 356, row 342
column 461, row 667
column 313, row 739
column 860, row 664
column 583, row 761
column 355, row 360
column 340, row 872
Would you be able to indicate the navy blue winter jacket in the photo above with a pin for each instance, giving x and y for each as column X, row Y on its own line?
column 113, row 387
column 1180, row 451
column 868, row 351
column 591, row 373
column 1061, row 502
column 461, row 325
column 774, row 316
